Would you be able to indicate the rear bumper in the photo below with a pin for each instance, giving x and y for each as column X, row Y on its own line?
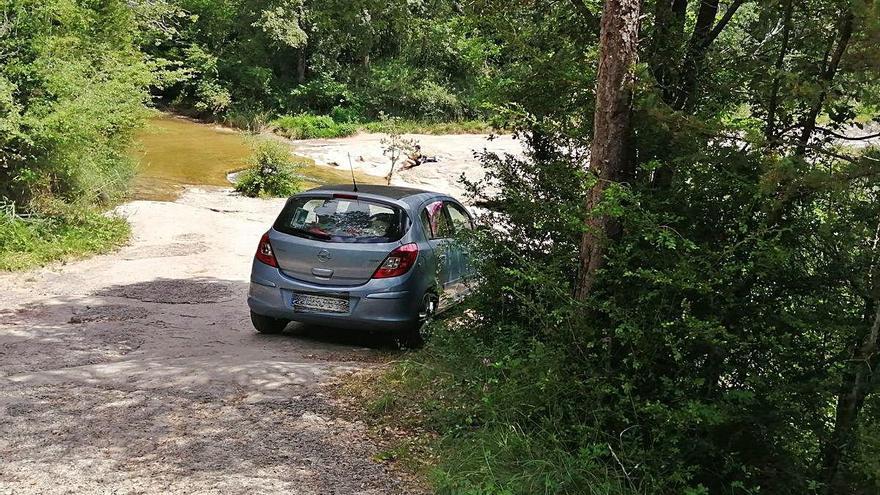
column 386, row 304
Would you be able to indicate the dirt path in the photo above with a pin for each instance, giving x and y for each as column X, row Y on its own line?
column 139, row 372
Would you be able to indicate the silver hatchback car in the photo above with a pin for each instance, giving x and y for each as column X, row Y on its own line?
column 379, row 258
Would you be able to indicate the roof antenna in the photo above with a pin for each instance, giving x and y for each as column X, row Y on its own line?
column 350, row 167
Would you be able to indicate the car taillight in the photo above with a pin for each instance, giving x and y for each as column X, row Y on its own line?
column 264, row 252
column 398, row 262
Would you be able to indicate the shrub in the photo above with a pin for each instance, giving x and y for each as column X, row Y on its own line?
column 248, row 117
column 318, row 95
column 398, row 89
column 273, row 172
column 345, row 115
column 305, row 126
column 203, row 90
column 423, row 127
column 67, row 115
column 708, row 361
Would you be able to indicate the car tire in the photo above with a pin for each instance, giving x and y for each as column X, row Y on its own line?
column 416, row 336
column 265, row 324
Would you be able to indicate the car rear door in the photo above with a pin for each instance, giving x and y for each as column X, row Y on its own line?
column 438, row 229
column 461, row 222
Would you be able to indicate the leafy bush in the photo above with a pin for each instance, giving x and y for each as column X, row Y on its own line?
column 201, row 87
column 273, row 172
column 318, row 95
column 306, row 126
column 345, row 115
column 399, row 89
column 67, row 113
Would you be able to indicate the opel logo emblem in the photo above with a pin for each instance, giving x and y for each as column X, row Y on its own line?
column 324, row 256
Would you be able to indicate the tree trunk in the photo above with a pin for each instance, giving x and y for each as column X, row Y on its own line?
column 770, row 129
column 695, row 53
column 858, row 382
column 618, row 42
column 706, row 30
column 667, row 43
column 301, row 65
column 680, row 91
column 808, row 124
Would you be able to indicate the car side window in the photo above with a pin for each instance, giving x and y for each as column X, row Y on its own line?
column 460, row 219
column 436, row 221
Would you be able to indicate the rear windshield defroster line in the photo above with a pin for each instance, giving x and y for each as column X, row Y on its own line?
column 336, row 219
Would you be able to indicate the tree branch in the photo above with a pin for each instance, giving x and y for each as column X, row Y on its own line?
column 722, row 23
column 829, row 132
column 809, row 120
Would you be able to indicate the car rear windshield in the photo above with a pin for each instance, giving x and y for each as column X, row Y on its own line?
column 342, row 220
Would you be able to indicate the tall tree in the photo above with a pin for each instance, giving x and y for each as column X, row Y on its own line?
column 618, row 45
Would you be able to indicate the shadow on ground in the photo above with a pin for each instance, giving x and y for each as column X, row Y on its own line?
column 164, row 386
column 200, row 291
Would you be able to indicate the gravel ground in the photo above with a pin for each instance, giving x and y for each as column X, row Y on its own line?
column 139, row 372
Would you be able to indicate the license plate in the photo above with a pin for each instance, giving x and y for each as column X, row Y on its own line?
column 307, row 303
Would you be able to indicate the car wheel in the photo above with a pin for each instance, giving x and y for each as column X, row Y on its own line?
column 265, row 324
column 418, row 334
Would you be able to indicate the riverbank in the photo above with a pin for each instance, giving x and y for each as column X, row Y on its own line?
column 37, row 240
column 176, row 151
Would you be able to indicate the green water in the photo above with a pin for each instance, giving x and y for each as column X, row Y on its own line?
column 174, row 152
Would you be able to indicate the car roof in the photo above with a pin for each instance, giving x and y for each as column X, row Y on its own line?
column 391, row 192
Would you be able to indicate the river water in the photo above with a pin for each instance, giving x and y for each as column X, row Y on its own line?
column 174, row 152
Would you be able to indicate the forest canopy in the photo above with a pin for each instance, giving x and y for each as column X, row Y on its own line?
column 357, row 59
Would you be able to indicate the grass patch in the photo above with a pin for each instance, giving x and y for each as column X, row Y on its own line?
column 27, row 243
column 305, row 126
column 385, row 400
column 420, row 127
column 482, row 418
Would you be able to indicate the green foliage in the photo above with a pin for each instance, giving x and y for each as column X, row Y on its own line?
column 306, row 126
column 250, row 118
column 723, row 332
column 423, row 127
column 423, row 60
column 63, row 233
column 346, row 122
column 72, row 88
column 273, row 172
column 202, row 88
column 345, row 115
